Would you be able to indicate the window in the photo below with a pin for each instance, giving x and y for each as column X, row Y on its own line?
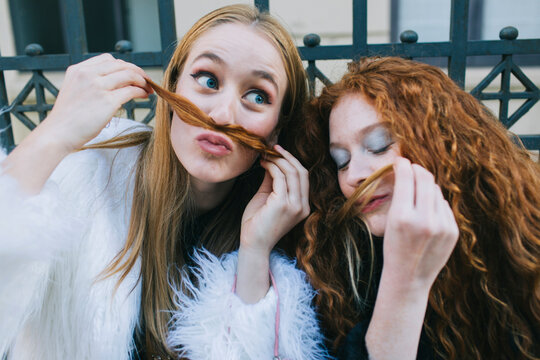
column 431, row 20
column 106, row 22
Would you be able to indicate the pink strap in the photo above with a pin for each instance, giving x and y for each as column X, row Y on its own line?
column 276, row 339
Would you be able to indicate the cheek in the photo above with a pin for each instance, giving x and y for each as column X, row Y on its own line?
column 345, row 190
column 262, row 124
column 177, row 131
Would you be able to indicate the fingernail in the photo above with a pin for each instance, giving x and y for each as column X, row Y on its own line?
column 277, row 147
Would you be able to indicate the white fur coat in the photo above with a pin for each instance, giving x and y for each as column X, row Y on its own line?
column 55, row 244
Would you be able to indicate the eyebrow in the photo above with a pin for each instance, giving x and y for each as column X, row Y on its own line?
column 211, row 56
column 267, row 76
column 360, row 133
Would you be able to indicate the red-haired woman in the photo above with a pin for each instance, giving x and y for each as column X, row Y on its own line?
column 443, row 262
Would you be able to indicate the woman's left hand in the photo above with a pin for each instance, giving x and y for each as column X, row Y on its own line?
column 281, row 202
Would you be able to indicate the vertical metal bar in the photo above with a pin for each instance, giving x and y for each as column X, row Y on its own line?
column 40, row 95
column 394, row 20
column 359, row 28
column 310, row 71
column 476, row 14
column 505, row 89
column 459, row 24
column 262, row 5
column 119, row 20
column 167, row 30
column 7, row 141
column 74, row 29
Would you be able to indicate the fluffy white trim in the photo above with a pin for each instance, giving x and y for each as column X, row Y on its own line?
column 52, row 247
column 213, row 323
column 33, row 230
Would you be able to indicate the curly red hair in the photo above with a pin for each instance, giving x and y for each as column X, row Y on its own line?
column 485, row 303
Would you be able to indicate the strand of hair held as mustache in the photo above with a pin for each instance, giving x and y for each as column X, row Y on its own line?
column 192, row 115
column 365, row 192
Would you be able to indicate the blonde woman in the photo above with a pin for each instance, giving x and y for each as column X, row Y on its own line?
column 91, row 240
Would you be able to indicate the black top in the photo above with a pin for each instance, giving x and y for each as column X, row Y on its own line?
column 190, row 235
column 354, row 345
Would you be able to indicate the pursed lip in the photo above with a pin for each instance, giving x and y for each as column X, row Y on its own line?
column 214, row 144
column 375, row 202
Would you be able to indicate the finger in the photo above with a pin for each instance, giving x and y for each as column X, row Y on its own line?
column 266, row 185
column 425, row 188
column 123, row 95
column 279, row 185
column 123, row 78
column 112, row 65
column 302, row 173
column 292, row 179
column 440, row 202
column 451, row 220
column 403, row 196
column 97, row 59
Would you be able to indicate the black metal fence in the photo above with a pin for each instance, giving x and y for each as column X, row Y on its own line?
column 456, row 50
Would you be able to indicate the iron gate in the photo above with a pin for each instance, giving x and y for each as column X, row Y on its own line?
column 456, row 50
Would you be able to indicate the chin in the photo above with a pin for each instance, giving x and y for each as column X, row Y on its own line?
column 377, row 224
column 211, row 177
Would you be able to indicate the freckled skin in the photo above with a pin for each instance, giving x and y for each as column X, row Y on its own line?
column 353, row 131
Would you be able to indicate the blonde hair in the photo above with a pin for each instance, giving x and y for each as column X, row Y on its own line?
column 161, row 199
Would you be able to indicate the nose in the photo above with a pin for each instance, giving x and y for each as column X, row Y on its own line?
column 359, row 168
column 223, row 109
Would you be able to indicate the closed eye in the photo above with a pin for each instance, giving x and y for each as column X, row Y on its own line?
column 382, row 150
column 377, row 141
column 206, row 79
column 341, row 158
column 343, row 166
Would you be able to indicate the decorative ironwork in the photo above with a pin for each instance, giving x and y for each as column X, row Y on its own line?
column 506, row 68
column 313, row 72
column 456, row 50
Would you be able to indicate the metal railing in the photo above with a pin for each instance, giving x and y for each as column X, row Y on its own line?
column 456, row 50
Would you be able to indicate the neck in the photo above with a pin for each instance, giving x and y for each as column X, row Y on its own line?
column 209, row 195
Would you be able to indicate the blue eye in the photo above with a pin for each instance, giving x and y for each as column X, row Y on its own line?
column 206, row 80
column 257, row 98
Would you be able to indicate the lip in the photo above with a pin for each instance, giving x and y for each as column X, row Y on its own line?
column 215, row 144
column 375, row 202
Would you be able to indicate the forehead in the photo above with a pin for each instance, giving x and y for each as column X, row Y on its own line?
column 350, row 115
column 242, row 48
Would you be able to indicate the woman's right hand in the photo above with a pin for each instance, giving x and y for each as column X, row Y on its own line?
column 421, row 230
column 420, row 235
column 91, row 94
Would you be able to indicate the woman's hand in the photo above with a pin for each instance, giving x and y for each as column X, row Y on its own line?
column 281, row 202
column 420, row 234
column 92, row 92
column 421, row 230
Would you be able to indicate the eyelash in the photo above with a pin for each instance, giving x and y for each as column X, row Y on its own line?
column 342, row 167
column 262, row 93
column 382, row 150
column 198, row 74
